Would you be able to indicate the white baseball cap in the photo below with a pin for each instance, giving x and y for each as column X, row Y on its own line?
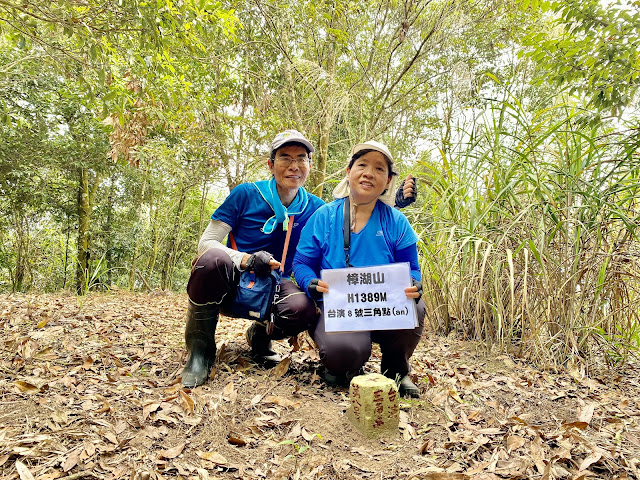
column 290, row 136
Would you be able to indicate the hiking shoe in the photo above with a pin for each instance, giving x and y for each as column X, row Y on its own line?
column 260, row 343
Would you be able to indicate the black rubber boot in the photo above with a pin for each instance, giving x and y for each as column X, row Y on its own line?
column 260, row 344
column 199, row 335
column 407, row 388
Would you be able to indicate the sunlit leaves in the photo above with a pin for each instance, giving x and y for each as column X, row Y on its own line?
column 593, row 51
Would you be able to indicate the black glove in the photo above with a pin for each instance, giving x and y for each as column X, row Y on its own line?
column 401, row 201
column 313, row 289
column 259, row 263
column 416, row 283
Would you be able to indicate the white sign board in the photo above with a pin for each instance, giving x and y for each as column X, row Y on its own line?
column 369, row 298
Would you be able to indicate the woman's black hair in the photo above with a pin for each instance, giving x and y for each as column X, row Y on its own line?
column 362, row 152
column 289, row 144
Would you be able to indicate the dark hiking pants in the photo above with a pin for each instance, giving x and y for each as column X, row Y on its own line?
column 214, row 280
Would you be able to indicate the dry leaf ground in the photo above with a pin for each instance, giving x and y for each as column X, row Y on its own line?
column 88, row 391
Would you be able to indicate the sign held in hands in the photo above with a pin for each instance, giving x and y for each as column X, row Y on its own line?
column 369, row 298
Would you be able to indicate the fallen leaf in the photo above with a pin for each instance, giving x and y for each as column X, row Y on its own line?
column 229, row 393
column 186, row 402
column 427, row 446
column 537, row 454
column 26, row 387
column 633, row 439
column 578, row 425
column 296, row 431
column 71, row 460
column 308, row 436
column 237, row 441
column 590, row 460
column 514, row 442
column 90, row 449
column 172, row 452
column 60, row 417
column 106, row 407
column 295, row 343
column 586, row 414
column 43, row 322
column 514, row 467
column 280, row 369
column 453, row 394
column 149, row 409
column 23, row 471
column 446, row 476
column 109, row 435
column 283, row 402
column 213, row 457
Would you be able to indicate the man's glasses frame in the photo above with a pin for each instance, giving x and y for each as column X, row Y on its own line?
column 299, row 161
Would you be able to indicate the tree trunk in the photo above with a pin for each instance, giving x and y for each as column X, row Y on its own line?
column 203, row 203
column 107, row 231
column 21, row 248
column 169, row 257
column 136, row 247
column 83, row 206
column 328, row 117
column 155, row 238
column 66, row 253
column 288, row 77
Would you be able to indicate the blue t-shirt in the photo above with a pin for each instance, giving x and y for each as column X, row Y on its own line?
column 245, row 211
column 322, row 243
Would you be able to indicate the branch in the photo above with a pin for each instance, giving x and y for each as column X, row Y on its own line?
column 406, row 68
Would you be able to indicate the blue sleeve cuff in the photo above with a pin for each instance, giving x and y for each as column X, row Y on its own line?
column 305, row 269
column 410, row 254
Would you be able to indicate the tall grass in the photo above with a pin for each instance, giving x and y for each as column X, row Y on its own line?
column 531, row 244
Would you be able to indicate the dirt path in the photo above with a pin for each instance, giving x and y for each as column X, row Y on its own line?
column 88, row 391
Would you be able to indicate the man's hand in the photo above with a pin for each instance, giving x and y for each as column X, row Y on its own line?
column 415, row 291
column 260, row 262
column 407, row 192
column 317, row 287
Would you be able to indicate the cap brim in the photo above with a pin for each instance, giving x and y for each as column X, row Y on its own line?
column 286, row 141
column 367, row 146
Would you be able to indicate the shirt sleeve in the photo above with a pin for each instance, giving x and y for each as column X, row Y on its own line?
column 410, row 254
column 306, row 263
column 304, row 270
column 404, row 233
column 231, row 209
column 212, row 238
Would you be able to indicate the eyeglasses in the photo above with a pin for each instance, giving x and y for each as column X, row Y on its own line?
column 288, row 161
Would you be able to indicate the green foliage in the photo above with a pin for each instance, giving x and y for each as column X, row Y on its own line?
column 592, row 51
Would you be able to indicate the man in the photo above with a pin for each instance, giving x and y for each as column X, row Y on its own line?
column 256, row 214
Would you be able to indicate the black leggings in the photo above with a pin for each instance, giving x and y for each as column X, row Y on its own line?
column 347, row 352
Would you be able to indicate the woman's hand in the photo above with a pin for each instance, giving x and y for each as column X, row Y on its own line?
column 407, row 192
column 414, row 291
column 317, row 287
column 409, row 187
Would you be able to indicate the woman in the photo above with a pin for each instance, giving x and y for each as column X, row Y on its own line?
column 379, row 235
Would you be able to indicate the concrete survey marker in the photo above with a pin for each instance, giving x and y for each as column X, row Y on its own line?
column 374, row 405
